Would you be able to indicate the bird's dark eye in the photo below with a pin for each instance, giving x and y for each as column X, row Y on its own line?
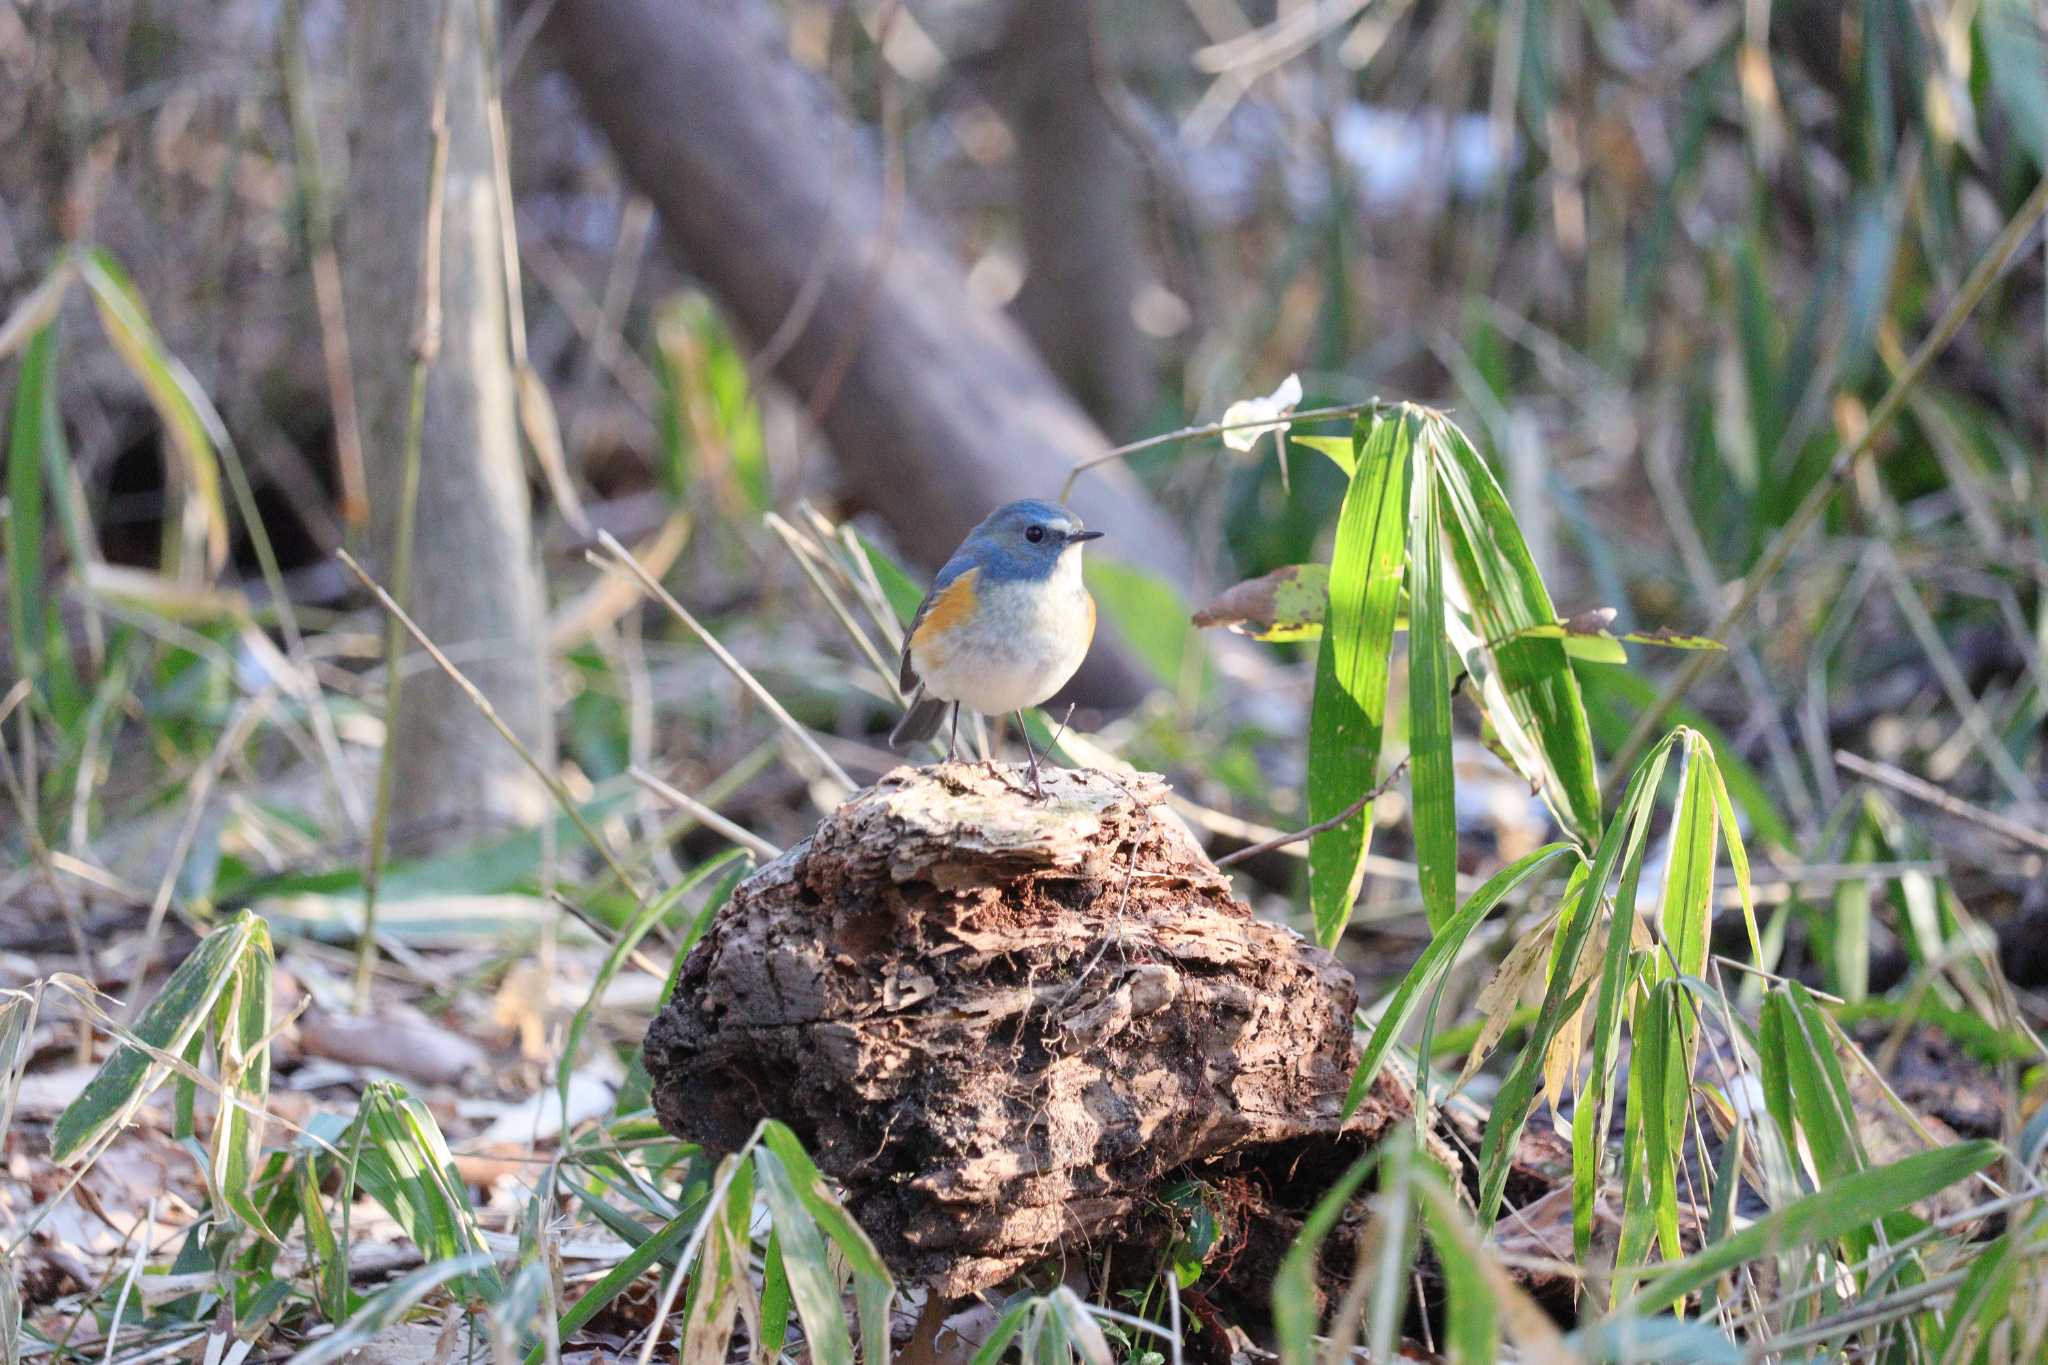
column 1034, row 534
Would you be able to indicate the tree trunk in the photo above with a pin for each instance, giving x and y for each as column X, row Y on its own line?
column 772, row 196
column 1077, row 203
column 475, row 583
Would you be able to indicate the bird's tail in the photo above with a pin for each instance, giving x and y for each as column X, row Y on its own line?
column 920, row 722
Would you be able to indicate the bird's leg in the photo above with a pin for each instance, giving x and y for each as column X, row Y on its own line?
column 953, row 740
column 995, row 744
column 1032, row 753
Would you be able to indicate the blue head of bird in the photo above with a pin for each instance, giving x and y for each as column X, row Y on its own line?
column 1025, row 540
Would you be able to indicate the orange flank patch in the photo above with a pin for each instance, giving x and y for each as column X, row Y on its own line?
column 949, row 610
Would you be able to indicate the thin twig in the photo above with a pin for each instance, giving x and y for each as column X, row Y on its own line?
column 733, row 666
column 607, row 935
column 426, row 345
column 1210, row 429
column 1884, row 774
column 1281, row 841
column 703, row 814
column 490, row 714
column 1772, row 561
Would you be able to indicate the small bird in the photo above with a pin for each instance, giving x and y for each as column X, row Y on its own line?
column 1006, row 623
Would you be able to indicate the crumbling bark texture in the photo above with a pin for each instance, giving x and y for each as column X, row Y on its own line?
column 1002, row 1022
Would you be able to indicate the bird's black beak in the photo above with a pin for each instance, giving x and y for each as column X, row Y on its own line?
column 1078, row 536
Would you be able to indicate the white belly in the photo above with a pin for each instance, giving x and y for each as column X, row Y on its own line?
column 1026, row 640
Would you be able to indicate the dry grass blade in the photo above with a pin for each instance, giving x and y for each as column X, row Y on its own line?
column 703, row 814
column 490, row 714
column 795, row 728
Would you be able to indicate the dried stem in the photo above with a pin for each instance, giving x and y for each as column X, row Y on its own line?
column 490, row 714
column 1210, row 429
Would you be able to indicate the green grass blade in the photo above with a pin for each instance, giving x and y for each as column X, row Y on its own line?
column 636, row 928
column 613, row 1282
column 1443, row 949
column 809, row 1186
column 1432, row 778
column 168, row 1024
column 1347, row 717
column 1856, row 1201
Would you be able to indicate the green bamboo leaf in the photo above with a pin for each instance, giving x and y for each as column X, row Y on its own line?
column 1294, row 1287
column 1855, row 1201
column 126, row 319
column 1347, row 716
column 1517, row 1093
column 323, row 1248
column 168, row 1025
column 1493, row 592
column 1432, row 778
column 1687, row 911
column 38, row 308
column 812, row 1284
column 1436, row 959
column 390, row 1304
column 405, row 1165
column 241, row 1032
column 18, row 1010
column 1341, row 450
column 717, row 1279
column 35, row 444
column 1984, row 1300
column 1738, row 854
column 1820, row 1092
column 1082, row 1331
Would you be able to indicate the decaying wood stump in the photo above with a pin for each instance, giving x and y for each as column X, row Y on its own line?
column 1002, row 1023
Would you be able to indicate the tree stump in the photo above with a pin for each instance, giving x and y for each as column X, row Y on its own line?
column 1005, row 1023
